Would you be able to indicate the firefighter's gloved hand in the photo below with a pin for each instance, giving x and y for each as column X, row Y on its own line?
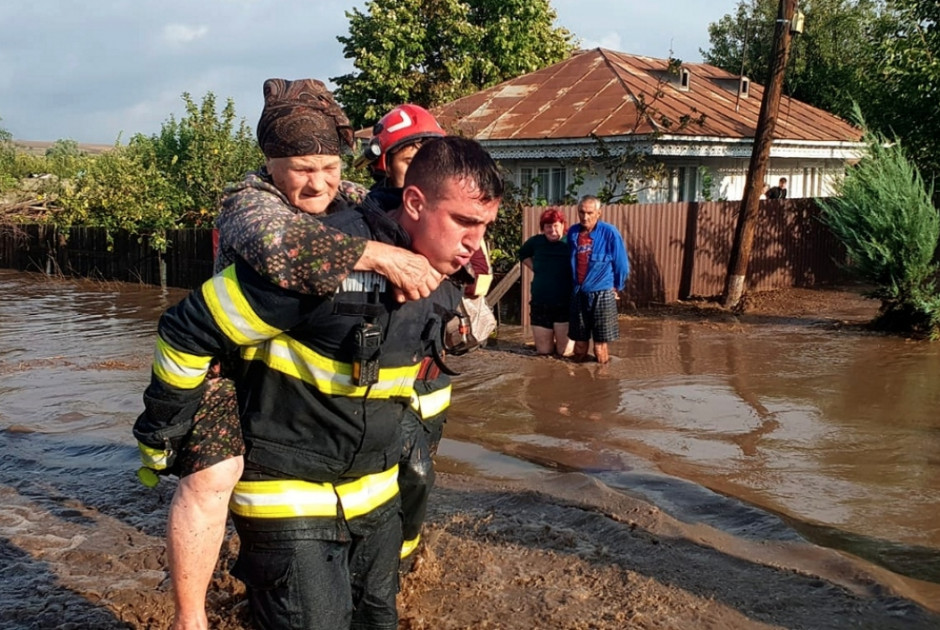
column 156, row 462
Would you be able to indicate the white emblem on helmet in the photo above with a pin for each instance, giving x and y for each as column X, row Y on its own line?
column 404, row 124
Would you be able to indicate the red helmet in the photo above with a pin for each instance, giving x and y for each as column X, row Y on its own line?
column 406, row 124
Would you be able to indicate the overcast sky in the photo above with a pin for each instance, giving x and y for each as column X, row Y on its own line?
column 94, row 70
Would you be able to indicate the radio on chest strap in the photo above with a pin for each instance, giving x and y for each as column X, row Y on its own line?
column 368, row 336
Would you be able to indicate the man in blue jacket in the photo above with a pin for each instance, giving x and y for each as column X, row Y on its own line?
column 600, row 267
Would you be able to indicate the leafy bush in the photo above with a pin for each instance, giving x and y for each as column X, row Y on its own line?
column 7, row 159
column 884, row 217
column 118, row 191
column 201, row 154
column 64, row 159
column 172, row 179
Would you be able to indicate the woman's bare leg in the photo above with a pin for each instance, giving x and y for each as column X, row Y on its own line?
column 195, row 530
column 563, row 346
column 544, row 339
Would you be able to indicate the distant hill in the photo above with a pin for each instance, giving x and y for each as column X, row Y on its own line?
column 37, row 147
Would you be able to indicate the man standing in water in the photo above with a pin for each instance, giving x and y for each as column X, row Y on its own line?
column 600, row 267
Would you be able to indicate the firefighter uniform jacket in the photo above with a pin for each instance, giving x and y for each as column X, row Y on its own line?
column 319, row 444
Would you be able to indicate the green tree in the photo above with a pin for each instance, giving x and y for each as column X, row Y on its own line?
column 16, row 165
column 64, row 148
column 175, row 178
column 64, row 158
column 7, row 160
column 201, row 154
column 908, row 80
column 882, row 54
column 831, row 62
column 742, row 42
column 433, row 51
column 123, row 189
column 884, row 216
column 516, row 37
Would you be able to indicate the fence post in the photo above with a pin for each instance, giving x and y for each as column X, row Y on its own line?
column 689, row 245
column 161, row 261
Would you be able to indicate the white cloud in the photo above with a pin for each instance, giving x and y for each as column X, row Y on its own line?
column 180, row 34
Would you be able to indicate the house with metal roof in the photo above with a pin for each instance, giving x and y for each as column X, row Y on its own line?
column 697, row 122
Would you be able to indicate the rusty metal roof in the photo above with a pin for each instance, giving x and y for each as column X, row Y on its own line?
column 601, row 92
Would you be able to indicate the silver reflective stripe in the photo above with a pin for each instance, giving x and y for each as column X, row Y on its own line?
column 177, row 368
column 363, row 282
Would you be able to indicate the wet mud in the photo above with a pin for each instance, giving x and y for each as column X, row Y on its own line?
column 772, row 470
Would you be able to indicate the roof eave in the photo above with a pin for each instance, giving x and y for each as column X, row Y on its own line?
column 672, row 146
column 711, row 146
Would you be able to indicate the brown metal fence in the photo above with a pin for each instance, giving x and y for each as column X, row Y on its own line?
column 676, row 250
column 681, row 250
column 88, row 252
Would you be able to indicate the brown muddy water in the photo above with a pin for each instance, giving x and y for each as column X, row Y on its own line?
column 779, row 431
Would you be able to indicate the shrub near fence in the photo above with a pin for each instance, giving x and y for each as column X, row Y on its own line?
column 87, row 252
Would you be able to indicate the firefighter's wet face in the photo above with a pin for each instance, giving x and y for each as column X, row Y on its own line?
column 447, row 224
column 398, row 163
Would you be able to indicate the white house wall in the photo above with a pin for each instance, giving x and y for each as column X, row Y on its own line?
column 805, row 177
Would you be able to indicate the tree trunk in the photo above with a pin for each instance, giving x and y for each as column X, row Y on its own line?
column 750, row 204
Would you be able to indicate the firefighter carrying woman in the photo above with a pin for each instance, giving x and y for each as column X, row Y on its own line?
column 323, row 377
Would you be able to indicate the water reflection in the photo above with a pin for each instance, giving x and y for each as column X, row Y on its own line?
column 834, row 431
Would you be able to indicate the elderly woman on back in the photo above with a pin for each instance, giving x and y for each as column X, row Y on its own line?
column 547, row 255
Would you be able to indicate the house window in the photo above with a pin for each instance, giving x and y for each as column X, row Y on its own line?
column 545, row 183
column 683, row 185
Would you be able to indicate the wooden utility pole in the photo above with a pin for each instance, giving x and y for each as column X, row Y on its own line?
column 763, row 138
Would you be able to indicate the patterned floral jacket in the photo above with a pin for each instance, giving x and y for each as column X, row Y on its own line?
column 292, row 249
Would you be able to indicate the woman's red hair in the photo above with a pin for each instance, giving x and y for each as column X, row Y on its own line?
column 552, row 216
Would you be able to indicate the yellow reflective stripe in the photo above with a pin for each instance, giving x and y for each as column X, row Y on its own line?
column 231, row 310
column 330, row 376
column 294, row 498
column 482, row 286
column 152, row 457
column 177, row 368
column 367, row 493
column 283, row 499
column 408, row 546
column 433, row 403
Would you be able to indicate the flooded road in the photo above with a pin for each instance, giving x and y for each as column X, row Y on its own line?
column 772, row 431
column 834, row 435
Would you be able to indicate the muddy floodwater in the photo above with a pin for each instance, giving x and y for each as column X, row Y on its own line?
column 782, row 429
column 835, row 437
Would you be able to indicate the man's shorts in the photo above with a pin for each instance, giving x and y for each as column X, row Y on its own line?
column 594, row 315
column 216, row 434
column 547, row 315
